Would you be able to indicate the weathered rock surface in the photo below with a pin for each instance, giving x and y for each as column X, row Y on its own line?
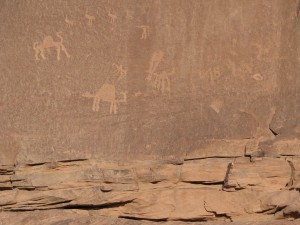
column 149, row 112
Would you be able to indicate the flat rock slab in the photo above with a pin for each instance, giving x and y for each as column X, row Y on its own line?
column 267, row 174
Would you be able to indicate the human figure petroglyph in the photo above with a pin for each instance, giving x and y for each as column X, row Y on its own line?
column 47, row 43
column 90, row 18
column 145, row 31
column 68, row 22
column 112, row 17
column 120, row 70
column 107, row 93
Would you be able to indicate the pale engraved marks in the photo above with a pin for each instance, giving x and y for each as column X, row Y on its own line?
column 154, row 62
column 48, row 43
column 112, row 17
column 106, row 93
column 159, row 80
column 145, row 31
column 120, row 70
column 162, row 81
column 89, row 17
column 258, row 77
column 68, row 22
column 216, row 105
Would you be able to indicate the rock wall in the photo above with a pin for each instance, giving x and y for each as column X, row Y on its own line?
column 149, row 110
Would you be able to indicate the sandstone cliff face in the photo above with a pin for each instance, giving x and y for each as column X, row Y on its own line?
column 137, row 112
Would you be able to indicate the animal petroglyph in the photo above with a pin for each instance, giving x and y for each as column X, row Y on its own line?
column 120, row 70
column 112, row 17
column 90, row 18
column 107, row 93
column 68, row 22
column 159, row 80
column 47, row 43
column 145, row 31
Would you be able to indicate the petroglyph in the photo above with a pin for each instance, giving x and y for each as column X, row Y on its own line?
column 162, row 81
column 120, row 70
column 159, row 80
column 47, row 43
column 90, row 18
column 112, row 17
column 145, row 31
column 154, row 62
column 68, row 22
column 107, row 93
column 216, row 105
column 213, row 75
column 261, row 51
column 257, row 77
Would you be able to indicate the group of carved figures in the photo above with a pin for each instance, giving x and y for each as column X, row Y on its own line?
column 159, row 80
column 107, row 92
column 112, row 19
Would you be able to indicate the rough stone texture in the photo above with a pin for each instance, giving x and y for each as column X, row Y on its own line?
column 145, row 112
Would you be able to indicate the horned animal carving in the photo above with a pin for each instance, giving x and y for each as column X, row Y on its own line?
column 47, row 43
column 90, row 18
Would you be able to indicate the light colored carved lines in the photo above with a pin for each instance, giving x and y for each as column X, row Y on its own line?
column 68, row 22
column 106, row 93
column 90, row 18
column 48, row 43
column 112, row 17
column 145, row 31
column 160, row 80
column 120, row 70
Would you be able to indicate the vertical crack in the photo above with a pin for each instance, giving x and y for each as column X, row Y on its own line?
column 293, row 177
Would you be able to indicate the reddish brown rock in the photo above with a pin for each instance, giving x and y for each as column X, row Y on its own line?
column 145, row 112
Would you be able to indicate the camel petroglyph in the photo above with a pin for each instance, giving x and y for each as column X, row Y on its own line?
column 107, row 93
column 90, row 18
column 47, row 43
column 68, row 22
